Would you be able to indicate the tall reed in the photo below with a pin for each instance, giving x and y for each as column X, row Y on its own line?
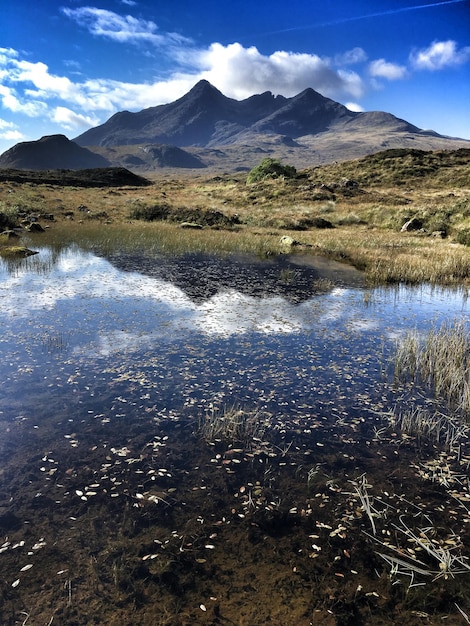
column 440, row 361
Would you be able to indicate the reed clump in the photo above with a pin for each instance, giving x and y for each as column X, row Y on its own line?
column 440, row 361
column 232, row 425
column 430, row 426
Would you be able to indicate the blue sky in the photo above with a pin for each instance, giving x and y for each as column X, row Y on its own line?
column 66, row 66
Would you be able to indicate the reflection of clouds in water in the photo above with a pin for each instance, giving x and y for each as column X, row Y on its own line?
column 83, row 276
column 231, row 312
column 361, row 325
column 79, row 277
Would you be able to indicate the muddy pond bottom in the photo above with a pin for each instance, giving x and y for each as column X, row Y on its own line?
column 198, row 440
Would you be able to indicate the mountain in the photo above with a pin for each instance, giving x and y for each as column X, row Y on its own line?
column 201, row 117
column 206, row 129
column 204, row 117
column 51, row 152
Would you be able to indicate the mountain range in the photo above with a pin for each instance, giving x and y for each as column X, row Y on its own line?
column 206, row 129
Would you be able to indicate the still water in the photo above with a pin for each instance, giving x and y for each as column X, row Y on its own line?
column 115, row 509
column 195, row 331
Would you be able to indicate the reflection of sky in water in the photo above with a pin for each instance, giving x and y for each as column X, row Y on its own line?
column 83, row 310
column 85, row 289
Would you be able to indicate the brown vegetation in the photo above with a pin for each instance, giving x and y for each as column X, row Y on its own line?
column 364, row 203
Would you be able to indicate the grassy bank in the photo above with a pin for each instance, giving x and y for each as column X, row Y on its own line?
column 353, row 212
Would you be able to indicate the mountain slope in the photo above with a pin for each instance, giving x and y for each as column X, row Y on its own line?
column 204, row 117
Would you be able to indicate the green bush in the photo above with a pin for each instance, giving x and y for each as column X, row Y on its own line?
column 271, row 168
column 8, row 217
column 150, row 213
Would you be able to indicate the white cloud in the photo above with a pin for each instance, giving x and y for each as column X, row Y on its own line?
column 38, row 74
column 71, row 120
column 12, row 135
column 237, row 71
column 240, row 72
column 383, row 69
column 10, row 101
column 440, row 54
column 121, row 28
column 354, row 106
column 9, row 132
column 351, row 57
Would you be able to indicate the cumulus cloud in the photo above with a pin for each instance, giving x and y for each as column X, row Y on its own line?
column 438, row 55
column 121, row 28
column 71, row 120
column 354, row 106
column 383, row 69
column 9, row 131
column 240, row 72
column 11, row 101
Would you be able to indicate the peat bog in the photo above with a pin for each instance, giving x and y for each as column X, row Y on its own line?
column 198, row 440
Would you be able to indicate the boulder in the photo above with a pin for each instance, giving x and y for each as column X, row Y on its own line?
column 35, row 227
column 411, row 225
column 9, row 234
column 289, row 241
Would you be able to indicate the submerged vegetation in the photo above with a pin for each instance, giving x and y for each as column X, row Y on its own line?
column 232, row 425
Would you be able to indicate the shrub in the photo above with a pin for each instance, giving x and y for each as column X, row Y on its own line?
column 8, row 217
column 271, row 168
column 463, row 237
column 150, row 213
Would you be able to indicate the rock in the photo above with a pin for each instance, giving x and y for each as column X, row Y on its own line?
column 413, row 224
column 9, row 234
column 35, row 228
column 348, row 183
column 288, row 241
column 193, row 225
column 16, row 251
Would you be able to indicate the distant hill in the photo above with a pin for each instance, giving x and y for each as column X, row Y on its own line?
column 51, row 152
column 96, row 177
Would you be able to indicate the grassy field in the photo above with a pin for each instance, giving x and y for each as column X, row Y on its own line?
column 352, row 211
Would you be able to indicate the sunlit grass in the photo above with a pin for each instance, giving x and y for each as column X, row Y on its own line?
column 366, row 219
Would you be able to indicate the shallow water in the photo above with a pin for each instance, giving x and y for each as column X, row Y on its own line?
column 82, row 319
column 103, row 359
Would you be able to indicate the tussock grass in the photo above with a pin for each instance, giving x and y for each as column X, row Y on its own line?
column 232, row 426
column 440, row 361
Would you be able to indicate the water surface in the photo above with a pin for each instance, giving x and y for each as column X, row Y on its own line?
column 113, row 507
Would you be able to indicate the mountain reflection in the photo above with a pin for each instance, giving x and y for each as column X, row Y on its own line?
column 217, row 297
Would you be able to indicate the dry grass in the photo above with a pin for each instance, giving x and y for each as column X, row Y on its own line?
column 232, row 426
column 366, row 217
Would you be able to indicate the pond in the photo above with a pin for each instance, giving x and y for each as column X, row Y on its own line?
column 119, row 504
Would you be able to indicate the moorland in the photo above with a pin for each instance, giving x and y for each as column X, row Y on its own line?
column 401, row 215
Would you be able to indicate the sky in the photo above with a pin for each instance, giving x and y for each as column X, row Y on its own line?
column 66, row 66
